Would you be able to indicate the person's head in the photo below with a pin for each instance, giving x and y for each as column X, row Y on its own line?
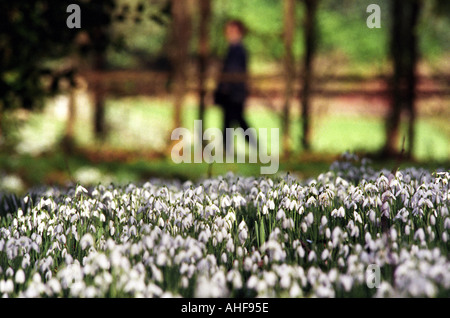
column 234, row 31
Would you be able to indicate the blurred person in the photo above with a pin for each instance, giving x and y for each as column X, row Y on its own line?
column 231, row 92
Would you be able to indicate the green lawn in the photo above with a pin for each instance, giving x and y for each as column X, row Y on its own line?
column 143, row 125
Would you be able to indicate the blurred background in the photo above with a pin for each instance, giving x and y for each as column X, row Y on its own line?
column 98, row 103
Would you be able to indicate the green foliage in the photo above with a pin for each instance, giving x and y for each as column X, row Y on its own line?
column 33, row 34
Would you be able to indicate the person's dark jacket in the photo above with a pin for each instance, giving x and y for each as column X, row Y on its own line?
column 232, row 86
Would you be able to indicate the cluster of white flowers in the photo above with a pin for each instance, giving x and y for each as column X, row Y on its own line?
column 233, row 236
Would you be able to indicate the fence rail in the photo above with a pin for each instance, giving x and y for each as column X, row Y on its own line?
column 126, row 83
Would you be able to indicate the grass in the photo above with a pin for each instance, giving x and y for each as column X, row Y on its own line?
column 138, row 126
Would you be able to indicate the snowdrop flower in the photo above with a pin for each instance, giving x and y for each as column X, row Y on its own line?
column 327, row 233
column 357, row 217
column 385, row 209
column 300, row 251
column 338, row 212
column 6, row 287
column 9, row 272
column 419, row 235
column 86, row 241
column 295, row 291
column 20, row 277
column 323, row 220
column 288, row 223
column 243, row 236
column 304, row 227
column 325, row 254
column 270, row 278
column 80, row 190
column 281, row 215
column 346, row 282
column 310, row 219
column 407, row 229
column 312, row 257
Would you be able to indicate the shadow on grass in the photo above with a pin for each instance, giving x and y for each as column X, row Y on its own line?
column 58, row 169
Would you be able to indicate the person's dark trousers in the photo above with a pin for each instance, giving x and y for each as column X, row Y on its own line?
column 234, row 114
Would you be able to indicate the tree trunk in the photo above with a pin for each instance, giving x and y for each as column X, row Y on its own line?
column 181, row 32
column 412, row 48
column 68, row 139
column 289, row 70
column 99, row 98
column 310, row 48
column 404, row 52
column 205, row 15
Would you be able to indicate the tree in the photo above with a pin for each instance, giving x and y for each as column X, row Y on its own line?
column 181, row 29
column 310, row 50
column 205, row 16
column 289, row 69
column 33, row 36
column 404, row 55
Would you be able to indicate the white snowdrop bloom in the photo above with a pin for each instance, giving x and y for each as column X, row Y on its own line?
column 301, row 210
column 285, row 281
column 310, row 219
column 323, row 220
column 281, row 215
column 336, row 235
column 447, row 223
column 80, row 190
column 7, row 286
column 270, row 205
column 393, row 234
column 368, row 237
column 295, row 291
column 346, row 281
column 252, row 282
column 407, row 229
column 224, row 257
column 248, row 263
column 419, row 235
column 225, row 201
column 237, row 280
column 325, row 254
column 432, row 219
column 20, row 277
column 338, row 212
column 270, row 278
column 157, row 275
column 54, row 285
column 86, row 241
column 265, row 210
column 444, row 237
column 286, row 202
column 240, row 252
column 36, row 278
column 385, row 209
column 332, row 275
column 161, row 259
column 311, row 202
column 25, row 261
column 357, row 217
column 300, row 251
column 312, row 256
column 324, row 292
column 230, row 246
column 9, row 272
column 304, row 227
column 288, row 223
column 219, row 236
